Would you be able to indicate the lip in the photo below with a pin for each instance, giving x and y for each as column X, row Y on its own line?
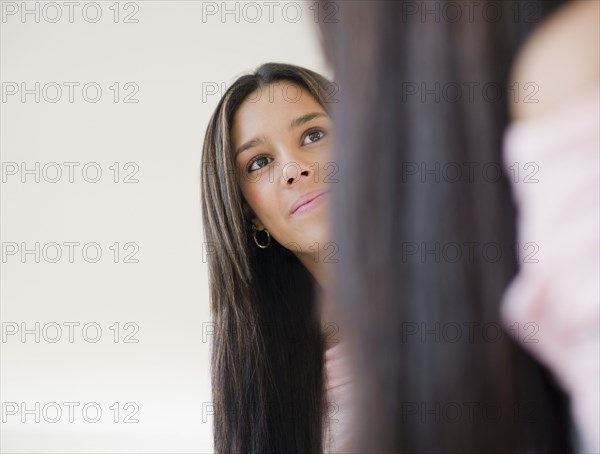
column 306, row 199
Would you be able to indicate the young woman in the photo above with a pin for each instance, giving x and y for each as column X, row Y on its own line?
column 402, row 127
column 266, row 176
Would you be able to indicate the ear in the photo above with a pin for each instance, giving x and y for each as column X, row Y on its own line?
column 250, row 215
column 259, row 225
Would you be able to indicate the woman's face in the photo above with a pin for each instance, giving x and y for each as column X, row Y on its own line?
column 282, row 137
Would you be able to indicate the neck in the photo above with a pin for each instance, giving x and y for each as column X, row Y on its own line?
column 321, row 272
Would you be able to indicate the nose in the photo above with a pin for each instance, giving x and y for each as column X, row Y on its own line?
column 293, row 171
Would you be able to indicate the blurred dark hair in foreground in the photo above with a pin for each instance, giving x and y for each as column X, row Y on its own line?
column 379, row 50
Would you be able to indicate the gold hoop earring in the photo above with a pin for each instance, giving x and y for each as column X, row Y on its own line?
column 256, row 241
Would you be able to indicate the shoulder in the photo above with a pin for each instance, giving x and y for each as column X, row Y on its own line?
column 562, row 57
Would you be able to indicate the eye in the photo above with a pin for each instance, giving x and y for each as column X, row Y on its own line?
column 255, row 160
column 315, row 133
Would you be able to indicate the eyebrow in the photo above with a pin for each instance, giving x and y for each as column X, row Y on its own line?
column 294, row 124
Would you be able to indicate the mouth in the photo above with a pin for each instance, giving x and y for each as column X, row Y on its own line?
column 307, row 202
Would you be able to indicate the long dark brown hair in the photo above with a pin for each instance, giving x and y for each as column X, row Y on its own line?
column 267, row 352
column 401, row 141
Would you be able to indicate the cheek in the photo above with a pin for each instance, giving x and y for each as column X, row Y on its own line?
column 324, row 155
column 262, row 198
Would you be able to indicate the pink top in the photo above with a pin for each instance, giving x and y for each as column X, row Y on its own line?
column 553, row 304
column 338, row 386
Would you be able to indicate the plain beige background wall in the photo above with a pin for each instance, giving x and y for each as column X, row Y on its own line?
column 126, row 333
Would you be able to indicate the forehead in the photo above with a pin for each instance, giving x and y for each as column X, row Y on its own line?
column 269, row 110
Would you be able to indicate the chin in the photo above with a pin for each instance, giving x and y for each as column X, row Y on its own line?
column 315, row 233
